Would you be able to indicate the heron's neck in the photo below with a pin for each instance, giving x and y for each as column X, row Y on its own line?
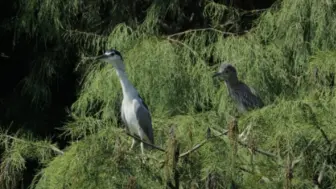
column 232, row 82
column 128, row 89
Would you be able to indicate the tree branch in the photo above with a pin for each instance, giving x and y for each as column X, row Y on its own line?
column 58, row 151
column 184, row 45
column 256, row 149
column 200, row 30
column 323, row 134
column 149, row 144
column 197, row 146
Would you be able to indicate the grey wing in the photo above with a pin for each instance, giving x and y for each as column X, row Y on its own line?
column 258, row 100
column 144, row 119
column 250, row 98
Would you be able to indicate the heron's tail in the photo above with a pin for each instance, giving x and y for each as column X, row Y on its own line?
column 149, row 139
column 149, row 147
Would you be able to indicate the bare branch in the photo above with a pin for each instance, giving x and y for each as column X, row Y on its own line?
column 197, row 146
column 194, row 148
column 149, row 144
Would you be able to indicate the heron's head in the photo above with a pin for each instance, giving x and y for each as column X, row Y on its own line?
column 114, row 57
column 227, row 73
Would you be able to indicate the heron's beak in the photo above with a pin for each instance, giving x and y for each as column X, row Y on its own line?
column 101, row 57
column 216, row 74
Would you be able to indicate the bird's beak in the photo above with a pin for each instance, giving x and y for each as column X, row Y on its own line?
column 101, row 57
column 216, row 74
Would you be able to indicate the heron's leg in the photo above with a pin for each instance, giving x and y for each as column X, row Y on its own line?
column 142, row 148
column 133, row 143
column 141, row 143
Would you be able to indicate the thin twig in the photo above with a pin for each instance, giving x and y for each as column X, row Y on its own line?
column 194, row 148
column 201, row 144
column 245, row 170
column 256, row 149
column 323, row 134
column 149, row 144
column 269, row 154
column 254, row 11
column 77, row 32
column 198, row 30
column 197, row 146
column 32, row 143
column 309, row 111
column 185, row 45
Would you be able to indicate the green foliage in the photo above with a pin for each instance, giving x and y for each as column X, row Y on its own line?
column 294, row 133
column 16, row 150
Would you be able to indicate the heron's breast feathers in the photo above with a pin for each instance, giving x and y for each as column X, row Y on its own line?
column 137, row 118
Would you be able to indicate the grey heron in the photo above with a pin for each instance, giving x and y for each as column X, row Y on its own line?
column 244, row 96
column 134, row 112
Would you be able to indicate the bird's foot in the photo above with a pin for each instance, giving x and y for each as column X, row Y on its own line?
column 144, row 158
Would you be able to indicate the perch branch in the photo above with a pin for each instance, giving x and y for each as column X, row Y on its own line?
column 149, row 144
